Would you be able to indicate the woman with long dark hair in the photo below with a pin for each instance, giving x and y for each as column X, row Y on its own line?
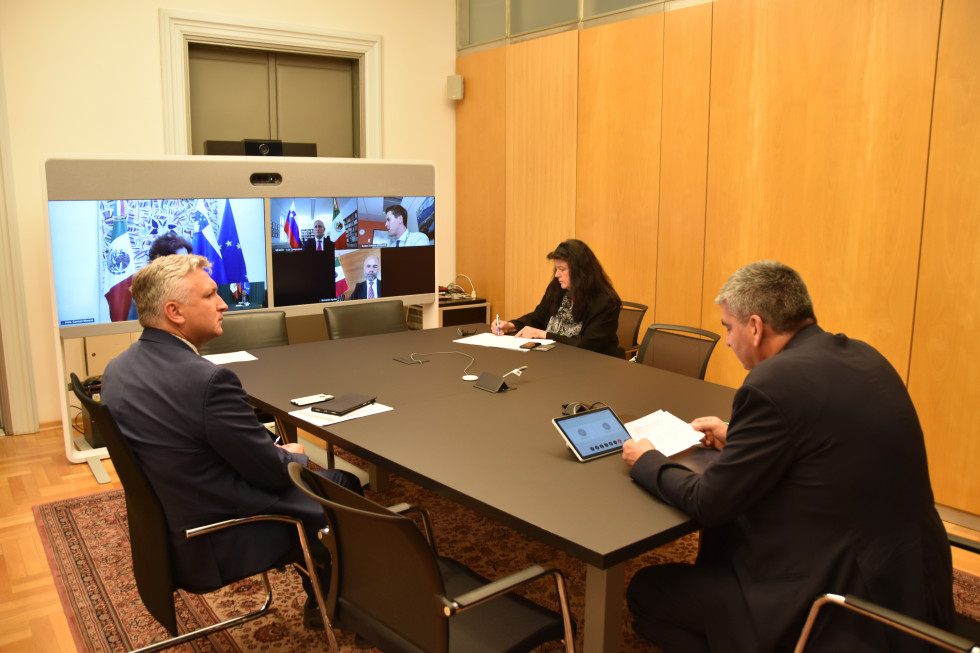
column 580, row 307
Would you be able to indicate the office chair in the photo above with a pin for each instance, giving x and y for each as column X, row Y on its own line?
column 149, row 540
column 676, row 348
column 965, row 635
column 391, row 588
column 249, row 330
column 364, row 318
column 243, row 330
column 630, row 316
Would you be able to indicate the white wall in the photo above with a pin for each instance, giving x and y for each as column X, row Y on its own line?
column 85, row 78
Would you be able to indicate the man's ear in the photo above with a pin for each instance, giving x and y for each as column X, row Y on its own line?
column 757, row 328
column 172, row 313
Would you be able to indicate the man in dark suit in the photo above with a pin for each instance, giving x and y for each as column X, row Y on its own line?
column 189, row 423
column 821, row 486
column 319, row 242
column 370, row 288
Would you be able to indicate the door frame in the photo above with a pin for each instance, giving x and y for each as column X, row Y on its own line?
column 178, row 28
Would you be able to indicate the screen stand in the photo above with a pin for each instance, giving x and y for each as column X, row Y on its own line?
column 77, row 449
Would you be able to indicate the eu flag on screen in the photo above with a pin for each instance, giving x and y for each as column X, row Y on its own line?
column 231, row 248
column 206, row 244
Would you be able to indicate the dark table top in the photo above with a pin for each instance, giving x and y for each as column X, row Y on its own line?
column 496, row 453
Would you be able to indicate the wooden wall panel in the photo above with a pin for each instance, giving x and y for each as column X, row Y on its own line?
column 540, row 178
column 480, row 187
column 819, row 128
column 619, row 100
column 684, row 169
column 814, row 137
column 944, row 376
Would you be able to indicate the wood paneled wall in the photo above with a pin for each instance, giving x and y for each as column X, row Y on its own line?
column 818, row 144
column 542, row 99
column 480, row 193
column 617, row 210
column 944, row 376
column 683, row 169
column 722, row 133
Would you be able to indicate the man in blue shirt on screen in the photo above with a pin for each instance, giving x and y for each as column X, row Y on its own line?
column 396, row 222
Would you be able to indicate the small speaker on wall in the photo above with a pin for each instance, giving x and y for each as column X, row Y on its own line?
column 454, row 87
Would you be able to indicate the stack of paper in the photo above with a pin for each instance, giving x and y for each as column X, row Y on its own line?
column 669, row 434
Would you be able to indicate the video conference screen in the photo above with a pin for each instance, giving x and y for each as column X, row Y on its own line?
column 277, row 248
column 98, row 245
column 328, row 249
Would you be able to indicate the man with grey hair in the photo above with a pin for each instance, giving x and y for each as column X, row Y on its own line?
column 197, row 439
column 821, row 485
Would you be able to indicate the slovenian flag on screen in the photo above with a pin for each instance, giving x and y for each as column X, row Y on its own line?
column 290, row 227
column 206, row 244
column 117, row 275
column 338, row 276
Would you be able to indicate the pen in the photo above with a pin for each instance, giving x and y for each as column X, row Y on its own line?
column 278, row 440
column 498, row 324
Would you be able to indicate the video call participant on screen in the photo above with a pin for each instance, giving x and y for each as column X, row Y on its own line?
column 370, row 288
column 396, row 222
column 169, row 243
column 190, row 426
column 318, row 243
column 821, row 486
column 580, row 307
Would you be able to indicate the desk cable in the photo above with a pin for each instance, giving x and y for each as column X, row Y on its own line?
column 466, row 376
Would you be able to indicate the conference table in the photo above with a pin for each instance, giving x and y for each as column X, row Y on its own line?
column 498, row 453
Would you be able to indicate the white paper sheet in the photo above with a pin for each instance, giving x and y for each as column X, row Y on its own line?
column 230, row 357
column 501, row 342
column 669, row 434
column 323, row 419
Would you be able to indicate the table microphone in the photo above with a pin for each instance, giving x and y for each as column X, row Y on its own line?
column 493, row 383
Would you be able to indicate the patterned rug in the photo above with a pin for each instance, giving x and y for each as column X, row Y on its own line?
column 87, row 542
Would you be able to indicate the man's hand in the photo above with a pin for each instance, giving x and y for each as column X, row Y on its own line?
column 292, row 447
column 633, row 449
column 715, row 431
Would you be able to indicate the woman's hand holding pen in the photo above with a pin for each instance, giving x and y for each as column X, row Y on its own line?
column 715, row 431
column 498, row 327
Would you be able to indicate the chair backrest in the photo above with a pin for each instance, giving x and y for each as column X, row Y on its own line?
column 249, row 330
column 677, row 348
column 349, row 320
column 148, row 535
column 386, row 583
column 630, row 316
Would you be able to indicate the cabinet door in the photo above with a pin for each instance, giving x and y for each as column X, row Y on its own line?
column 237, row 94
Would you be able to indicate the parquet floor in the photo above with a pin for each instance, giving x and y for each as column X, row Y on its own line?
column 33, row 470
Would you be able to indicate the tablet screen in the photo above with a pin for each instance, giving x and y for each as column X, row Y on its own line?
column 592, row 434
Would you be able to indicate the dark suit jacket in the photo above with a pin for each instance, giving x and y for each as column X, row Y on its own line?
column 360, row 290
column 309, row 245
column 599, row 326
column 821, row 487
column 189, row 423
